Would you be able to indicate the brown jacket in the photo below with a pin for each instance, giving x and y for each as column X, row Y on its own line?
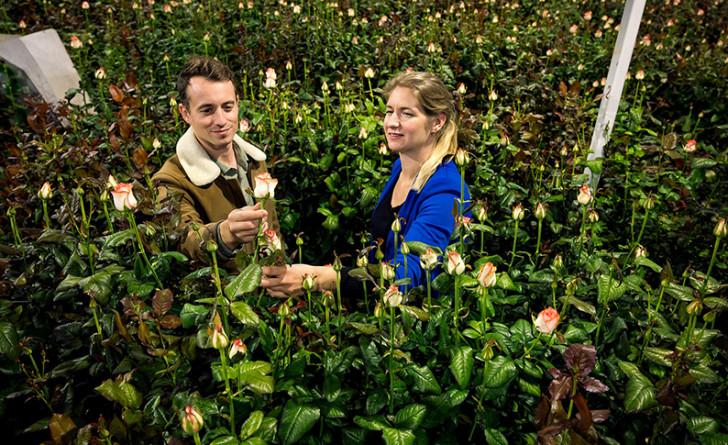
column 205, row 196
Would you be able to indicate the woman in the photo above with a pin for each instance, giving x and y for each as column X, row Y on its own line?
column 420, row 127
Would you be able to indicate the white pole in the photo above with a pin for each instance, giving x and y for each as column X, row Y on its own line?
column 628, row 29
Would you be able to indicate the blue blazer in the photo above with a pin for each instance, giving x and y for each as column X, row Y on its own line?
column 427, row 217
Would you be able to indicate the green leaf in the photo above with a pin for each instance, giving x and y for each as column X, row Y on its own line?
column 495, row 437
column 609, row 289
column 192, row 315
column 702, row 425
column 504, row 281
column 296, row 421
column 377, row 423
column 418, row 248
column 9, row 345
column 660, row 356
column 424, row 380
column 646, row 262
column 376, row 401
column 243, row 312
column 703, row 374
column 630, row 370
column 393, row 436
column 410, row 416
column 461, row 365
column 416, row 312
column 122, row 392
column 254, row 441
column 639, row 394
column 364, row 328
column 682, row 293
column 251, row 425
column 581, row 305
column 247, row 281
column 118, row 238
column 498, row 371
column 225, row 440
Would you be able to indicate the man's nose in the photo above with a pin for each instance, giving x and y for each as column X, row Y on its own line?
column 220, row 116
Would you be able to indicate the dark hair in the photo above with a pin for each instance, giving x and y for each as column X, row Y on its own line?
column 207, row 67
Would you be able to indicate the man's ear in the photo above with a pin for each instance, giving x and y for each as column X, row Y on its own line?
column 183, row 112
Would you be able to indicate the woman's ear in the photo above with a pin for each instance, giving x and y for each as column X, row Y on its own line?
column 438, row 122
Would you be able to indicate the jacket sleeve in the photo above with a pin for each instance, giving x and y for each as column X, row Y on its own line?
column 432, row 224
column 194, row 232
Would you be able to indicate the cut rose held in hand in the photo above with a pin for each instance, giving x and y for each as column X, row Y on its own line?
column 265, row 186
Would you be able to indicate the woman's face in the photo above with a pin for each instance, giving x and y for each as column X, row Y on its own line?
column 406, row 126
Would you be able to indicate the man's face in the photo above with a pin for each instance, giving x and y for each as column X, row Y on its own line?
column 212, row 113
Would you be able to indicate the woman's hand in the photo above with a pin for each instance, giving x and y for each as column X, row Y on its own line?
column 283, row 281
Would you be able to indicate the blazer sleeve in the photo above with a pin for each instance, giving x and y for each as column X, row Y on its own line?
column 432, row 223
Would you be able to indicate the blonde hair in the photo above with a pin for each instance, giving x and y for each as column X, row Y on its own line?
column 434, row 98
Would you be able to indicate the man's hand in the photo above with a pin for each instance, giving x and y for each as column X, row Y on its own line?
column 242, row 225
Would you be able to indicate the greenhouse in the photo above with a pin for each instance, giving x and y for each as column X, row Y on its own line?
column 364, row 221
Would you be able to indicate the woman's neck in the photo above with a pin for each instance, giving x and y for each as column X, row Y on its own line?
column 411, row 162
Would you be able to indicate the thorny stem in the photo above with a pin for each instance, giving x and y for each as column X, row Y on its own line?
column 219, row 295
column 224, row 369
column 140, row 246
column 515, row 241
column 391, row 360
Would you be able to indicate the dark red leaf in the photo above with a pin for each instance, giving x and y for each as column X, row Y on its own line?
column 170, row 321
column 560, row 388
column 585, row 416
column 116, row 94
column 162, row 302
column 600, row 415
column 593, row 385
column 580, row 359
column 541, row 413
column 139, row 156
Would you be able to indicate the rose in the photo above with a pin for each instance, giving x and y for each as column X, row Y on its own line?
column 265, row 186
column 518, row 213
column 486, row 275
column 455, row 264
column 690, row 146
column 428, row 259
column 45, row 191
column 271, row 240
column 218, row 339
column 308, row 282
column 720, row 229
column 585, row 195
column 362, row 261
column 461, row 157
column 237, row 347
column 540, row 211
column 191, row 420
column 387, row 271
column 244, row 125
column 393, row 297
column 547, row 320
column 124, row 196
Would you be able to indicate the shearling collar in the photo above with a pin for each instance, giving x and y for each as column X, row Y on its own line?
column 197, row 163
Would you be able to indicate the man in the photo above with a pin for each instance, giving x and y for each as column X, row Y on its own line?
column 214, row 169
